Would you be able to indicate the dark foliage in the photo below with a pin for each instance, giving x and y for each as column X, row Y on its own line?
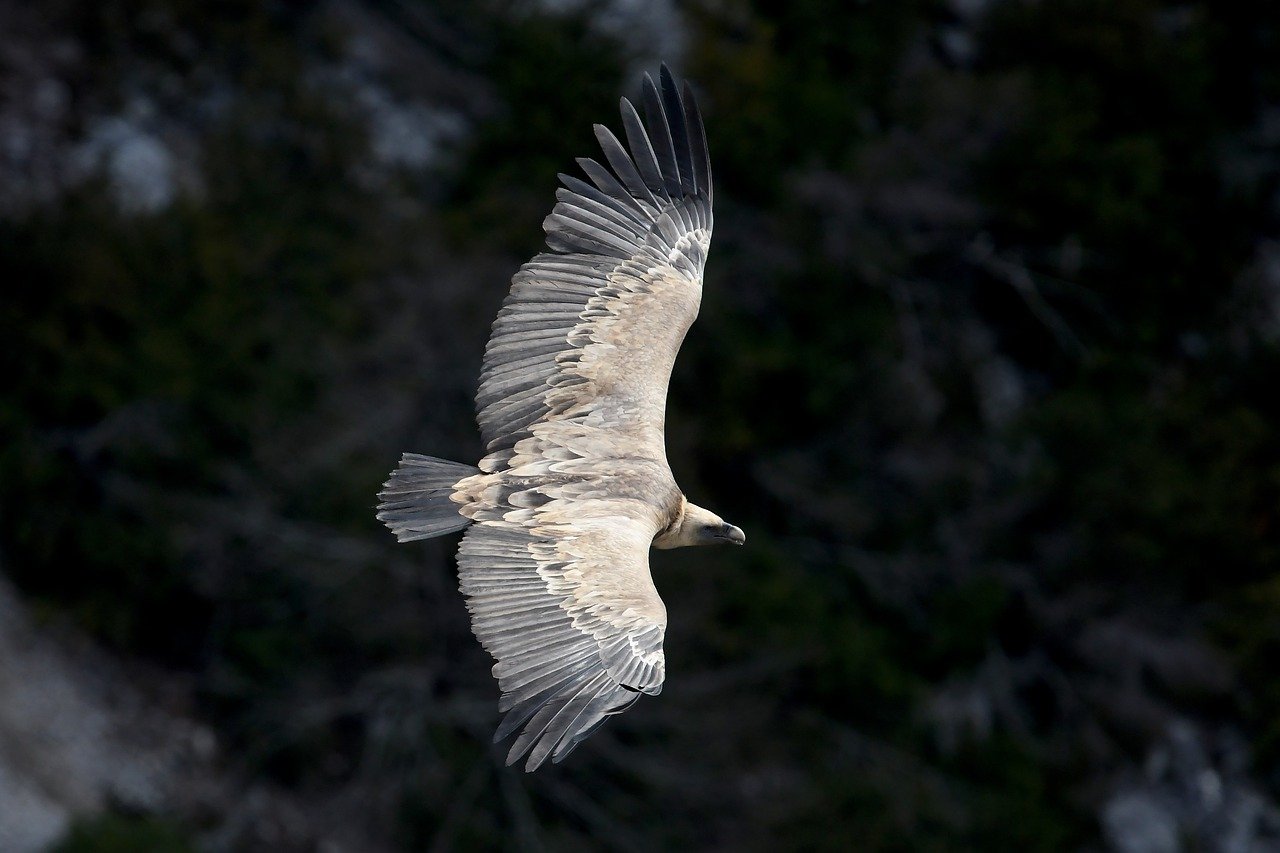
column 985, row 368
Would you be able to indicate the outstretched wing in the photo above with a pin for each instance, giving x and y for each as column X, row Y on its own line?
column 590, row 330
column 561, row 596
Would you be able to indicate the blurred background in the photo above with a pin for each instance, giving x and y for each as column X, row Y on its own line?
column 986, row 369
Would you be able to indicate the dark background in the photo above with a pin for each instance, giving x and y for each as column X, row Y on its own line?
column 986, row 368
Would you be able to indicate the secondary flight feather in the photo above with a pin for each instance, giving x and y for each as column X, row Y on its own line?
column 574, row 488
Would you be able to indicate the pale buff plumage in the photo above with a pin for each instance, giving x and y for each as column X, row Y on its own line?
column 575, row 487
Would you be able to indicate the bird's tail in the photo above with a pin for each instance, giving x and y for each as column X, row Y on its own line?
column 416, row 504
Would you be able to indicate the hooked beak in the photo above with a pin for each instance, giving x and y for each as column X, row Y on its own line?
column 729, row 533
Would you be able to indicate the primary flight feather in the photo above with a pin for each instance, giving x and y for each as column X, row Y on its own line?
column 575, row 487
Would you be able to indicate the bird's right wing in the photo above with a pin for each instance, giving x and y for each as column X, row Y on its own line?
column 557, row 582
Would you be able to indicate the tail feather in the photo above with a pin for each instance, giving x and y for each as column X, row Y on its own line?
column 416, row 503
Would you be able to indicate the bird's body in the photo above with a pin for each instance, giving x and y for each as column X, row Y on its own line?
column 575, row 487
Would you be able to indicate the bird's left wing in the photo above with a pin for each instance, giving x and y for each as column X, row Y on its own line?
column 590, row 330
column 558, row 586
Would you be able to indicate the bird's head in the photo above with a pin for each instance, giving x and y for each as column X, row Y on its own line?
column 698, row 526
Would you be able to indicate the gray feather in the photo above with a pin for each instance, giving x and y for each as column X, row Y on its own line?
column 416, row 503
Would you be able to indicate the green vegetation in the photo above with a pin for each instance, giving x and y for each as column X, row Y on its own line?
column 117, row 834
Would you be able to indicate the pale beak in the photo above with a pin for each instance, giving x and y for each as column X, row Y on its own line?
column 729, row 533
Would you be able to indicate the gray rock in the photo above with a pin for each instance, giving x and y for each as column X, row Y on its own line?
column 1138, row 822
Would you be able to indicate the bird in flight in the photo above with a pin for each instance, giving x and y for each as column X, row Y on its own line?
column 574, row 487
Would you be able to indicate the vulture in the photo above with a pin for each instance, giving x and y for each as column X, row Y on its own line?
column 575, row 488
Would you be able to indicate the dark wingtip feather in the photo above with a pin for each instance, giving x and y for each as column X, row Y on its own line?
column 642, row 149
column 698, row 142
column 660, row 135
column 678, row 123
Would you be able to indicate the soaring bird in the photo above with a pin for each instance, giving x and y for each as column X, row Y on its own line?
column 575, row 487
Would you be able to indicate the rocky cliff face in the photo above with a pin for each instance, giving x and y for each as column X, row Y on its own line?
column 80, row 733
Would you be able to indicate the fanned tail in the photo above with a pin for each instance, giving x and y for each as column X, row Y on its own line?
column 416, row 502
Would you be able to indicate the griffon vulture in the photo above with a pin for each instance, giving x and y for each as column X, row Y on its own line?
column 575, row 486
